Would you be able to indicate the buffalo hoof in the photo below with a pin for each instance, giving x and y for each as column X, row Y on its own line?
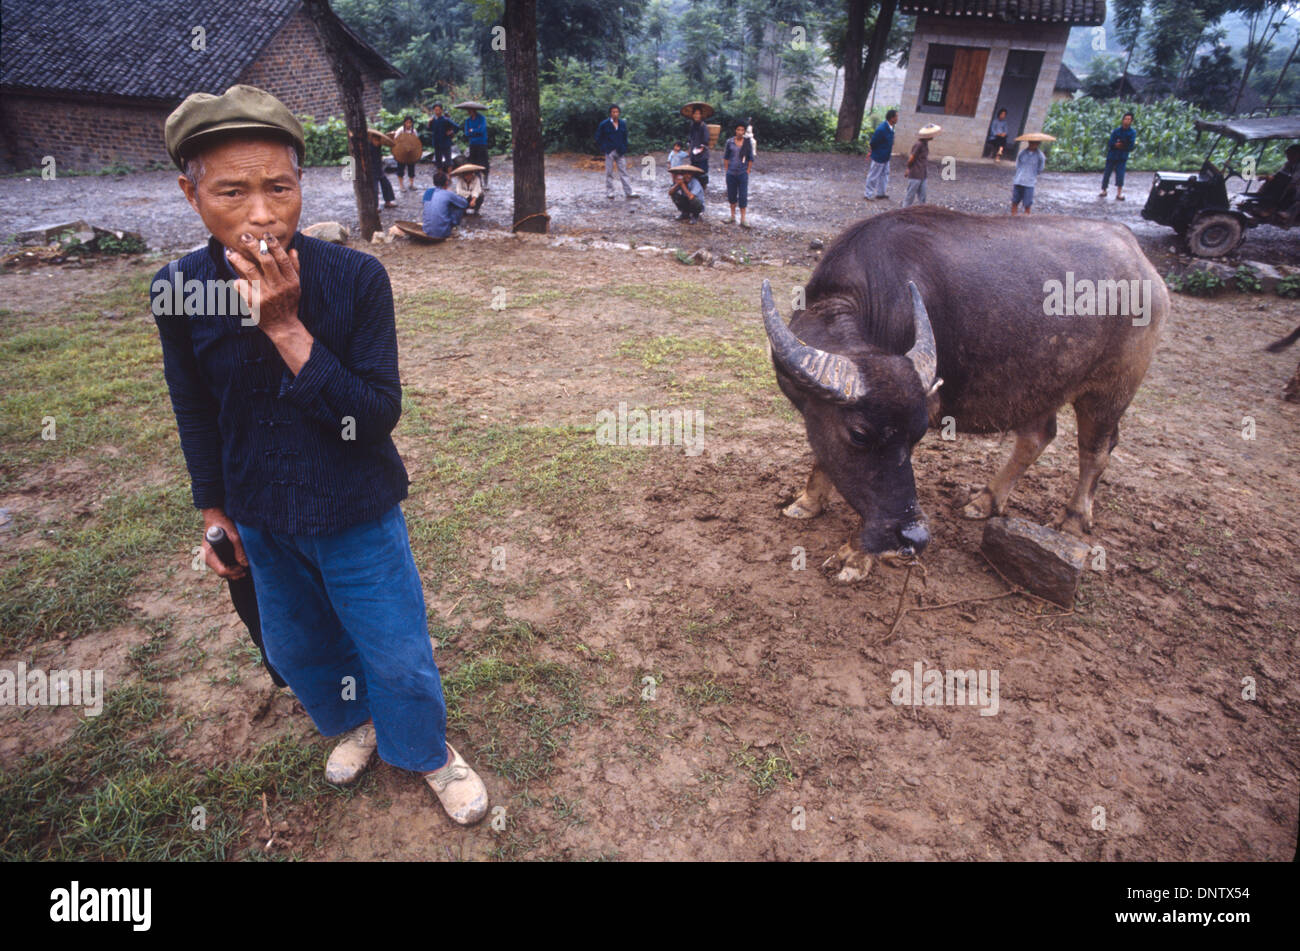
column 980, row 505
column 1072, row 523
column 853, row 565
column 802, row 508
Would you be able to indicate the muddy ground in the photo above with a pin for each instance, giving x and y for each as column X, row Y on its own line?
column 770, row 707
column 794, row 198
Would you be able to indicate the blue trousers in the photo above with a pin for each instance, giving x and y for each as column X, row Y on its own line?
column 343, row 620
column 1118, row 166
column 738, row 189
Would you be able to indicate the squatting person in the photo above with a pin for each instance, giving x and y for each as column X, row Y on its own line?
column 285, row 423
column 686, row 192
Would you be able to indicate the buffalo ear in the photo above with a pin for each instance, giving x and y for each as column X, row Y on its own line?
column 923, row 354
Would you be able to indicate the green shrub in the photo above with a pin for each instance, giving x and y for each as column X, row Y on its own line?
column 1166, row 136
column 1289, row 286
column 1198, row 282
column 1246, row 280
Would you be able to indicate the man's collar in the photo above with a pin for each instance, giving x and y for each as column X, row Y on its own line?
column 216, row 251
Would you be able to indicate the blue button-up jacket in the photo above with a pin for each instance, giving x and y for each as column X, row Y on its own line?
column 305, row 455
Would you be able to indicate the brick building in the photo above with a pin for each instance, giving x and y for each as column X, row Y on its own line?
column 971, row 57
column 91, row 82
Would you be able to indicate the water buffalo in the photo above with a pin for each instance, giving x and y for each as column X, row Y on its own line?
column 921, row 314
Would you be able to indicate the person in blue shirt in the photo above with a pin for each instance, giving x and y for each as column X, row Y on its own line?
column 686, row 192
column 443, row 131
column 611, row 139
column 475, row 132
column 1118, row 148
column 998, row 131
column 1029, row 163
column 286, row 426
column 882, row 146
column 443, row 208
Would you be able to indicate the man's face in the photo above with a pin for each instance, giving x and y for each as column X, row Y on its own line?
column 698, row 115
column 740, row 131
column 406, row 124
column 614, row 114
column 437, row 112
column 1126, row 121
column 247, row 186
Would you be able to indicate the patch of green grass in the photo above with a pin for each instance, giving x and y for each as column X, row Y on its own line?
column 702, row 690
column 764, row 770
column 677, row 298
column 81, row 582
column 479, row 473
column 741, row 367
column 116, row 792
column 517, row 712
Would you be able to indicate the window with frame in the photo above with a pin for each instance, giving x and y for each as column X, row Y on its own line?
column 953, row 78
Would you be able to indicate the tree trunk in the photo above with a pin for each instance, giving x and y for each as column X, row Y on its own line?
column 348, row 77
column 1282, row 75
column 852, row 103
column 860, row 76
column 520, row 21
column 1254, row 52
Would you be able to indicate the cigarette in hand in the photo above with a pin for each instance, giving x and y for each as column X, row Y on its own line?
column 262, row 246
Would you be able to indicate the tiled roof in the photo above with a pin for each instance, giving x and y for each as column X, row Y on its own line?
column 141, row 48
column 1073, row 12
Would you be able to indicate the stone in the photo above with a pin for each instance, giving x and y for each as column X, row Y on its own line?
column 816, row 244
column 1044, row 562
column 48, row 234
column 328, row 231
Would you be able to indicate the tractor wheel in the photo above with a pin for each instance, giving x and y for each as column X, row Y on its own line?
column 1213, row 236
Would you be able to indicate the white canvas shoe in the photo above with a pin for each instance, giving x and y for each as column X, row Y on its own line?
column 351, row 757
column 459, row 789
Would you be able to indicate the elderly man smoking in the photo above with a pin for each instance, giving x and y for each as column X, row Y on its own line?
column 285, row 424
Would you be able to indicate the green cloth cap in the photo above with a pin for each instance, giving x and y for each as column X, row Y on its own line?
column 239, row 107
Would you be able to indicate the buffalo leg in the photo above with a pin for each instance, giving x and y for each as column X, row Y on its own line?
column 1030, row 443
column 1098, row 434
column 816, row 493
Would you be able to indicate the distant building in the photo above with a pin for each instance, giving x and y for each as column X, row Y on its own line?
column 971, row 57
column 91, row 82
column 1067, row 84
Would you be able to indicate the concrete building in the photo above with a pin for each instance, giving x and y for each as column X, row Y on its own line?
column 971, row 57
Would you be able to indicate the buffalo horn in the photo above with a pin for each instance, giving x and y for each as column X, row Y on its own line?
column 923, row 354
column 832, row 376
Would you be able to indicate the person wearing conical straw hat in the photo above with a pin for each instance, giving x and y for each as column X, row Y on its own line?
column 466, row 184
column 404, row 135
column 686, row 192
column 917, row 165
column 375, row 139
column 1029, row 163
column 697, row 141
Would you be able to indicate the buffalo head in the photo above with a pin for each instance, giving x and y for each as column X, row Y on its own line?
column 864, row 409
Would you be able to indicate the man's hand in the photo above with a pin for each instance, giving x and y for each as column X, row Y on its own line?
column 218, row 517
column 269, row 284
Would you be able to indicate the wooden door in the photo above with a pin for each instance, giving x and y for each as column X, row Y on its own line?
column 967, row 79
